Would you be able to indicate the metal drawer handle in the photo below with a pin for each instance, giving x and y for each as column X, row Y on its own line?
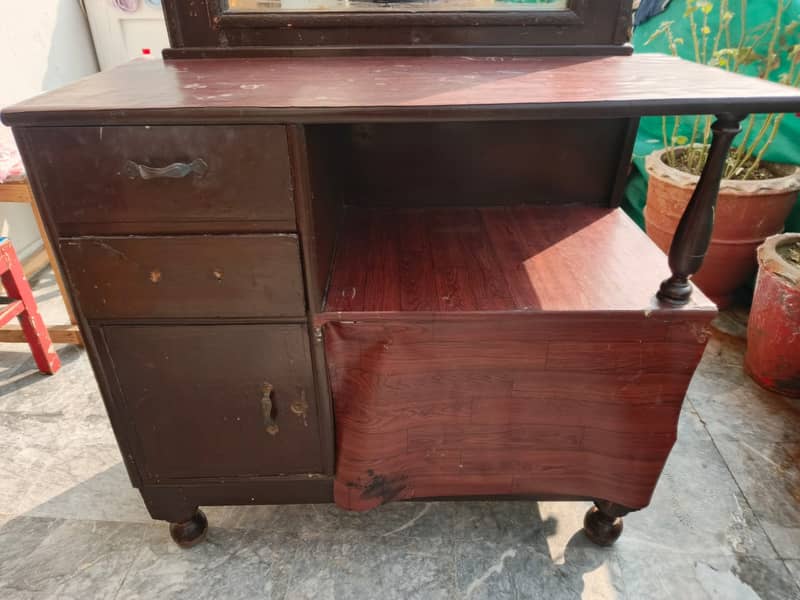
column 174, row 171
column 266, row 407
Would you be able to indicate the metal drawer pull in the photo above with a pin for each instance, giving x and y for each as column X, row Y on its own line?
column 174, row 171
column 267, row 408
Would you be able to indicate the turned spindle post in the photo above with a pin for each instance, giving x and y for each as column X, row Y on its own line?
column 693, row 234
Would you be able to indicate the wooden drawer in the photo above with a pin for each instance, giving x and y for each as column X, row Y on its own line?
column 195, row 395
column 186, row 276
column 91, row 185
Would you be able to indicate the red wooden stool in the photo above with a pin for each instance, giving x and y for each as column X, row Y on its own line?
column 20, row 303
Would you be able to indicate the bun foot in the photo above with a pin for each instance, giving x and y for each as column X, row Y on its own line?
column 603, row 522
column 191, row 532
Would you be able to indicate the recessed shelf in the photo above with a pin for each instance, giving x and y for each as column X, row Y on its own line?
column 497, row 259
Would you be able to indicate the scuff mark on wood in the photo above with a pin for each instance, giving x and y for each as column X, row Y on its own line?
column 380, row 486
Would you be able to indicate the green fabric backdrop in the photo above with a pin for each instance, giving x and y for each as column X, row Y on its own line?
column 786, row 147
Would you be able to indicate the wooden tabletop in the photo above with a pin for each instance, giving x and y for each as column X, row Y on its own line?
column 337, row 89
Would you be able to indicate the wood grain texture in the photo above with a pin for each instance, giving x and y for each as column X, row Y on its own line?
column 521, row 258
column 186, row 276
column 409, row 88
column 82, row 172
column 581, row 405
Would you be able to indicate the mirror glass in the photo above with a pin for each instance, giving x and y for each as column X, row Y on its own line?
column 261, row 6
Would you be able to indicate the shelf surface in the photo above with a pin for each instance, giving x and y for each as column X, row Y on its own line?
column 473, row 260
column 337, row 89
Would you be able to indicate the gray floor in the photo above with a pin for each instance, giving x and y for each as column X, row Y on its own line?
column 724, row 523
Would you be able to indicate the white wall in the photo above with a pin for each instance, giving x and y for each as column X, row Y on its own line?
column 44, row 44
column 121, row 36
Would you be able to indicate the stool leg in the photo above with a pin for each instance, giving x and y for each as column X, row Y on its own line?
column 30, row 320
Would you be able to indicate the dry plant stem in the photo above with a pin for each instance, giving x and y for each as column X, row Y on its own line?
column 745, row 159
column 695, row 127
column 751, row 148
column 767, row 144
column 794, row 81
column 670, row 154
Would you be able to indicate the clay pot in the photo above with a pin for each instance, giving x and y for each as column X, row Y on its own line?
column 747, row 213
column 773, row 331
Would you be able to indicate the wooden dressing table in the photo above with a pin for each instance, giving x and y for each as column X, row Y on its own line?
column 308, row 273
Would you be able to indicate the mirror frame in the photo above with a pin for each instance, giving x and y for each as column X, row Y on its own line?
column 586, row 27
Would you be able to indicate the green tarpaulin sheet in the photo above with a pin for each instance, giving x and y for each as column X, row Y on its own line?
column 785, row 148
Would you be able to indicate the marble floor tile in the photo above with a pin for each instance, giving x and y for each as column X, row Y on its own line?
column 230, row 564
column 315, row 521
column 769, row 475
column 794, row 568
column 517, row 520
column 496, row 571
column 671, row 576
column 105, row 496
column 697, row 506
column 372, row 567
column 55, row 558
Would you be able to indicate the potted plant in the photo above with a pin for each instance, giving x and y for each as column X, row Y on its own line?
column 756, row 196
column 773, row 331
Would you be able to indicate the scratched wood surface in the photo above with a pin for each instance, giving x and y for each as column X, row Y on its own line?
column 89, row 190
column 194, row 395
column 529, row 258
column 528, row 404
column 185, row 276
column 503, row 350
column 337, row 89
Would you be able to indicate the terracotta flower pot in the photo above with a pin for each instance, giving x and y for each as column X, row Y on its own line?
column 747, row 213
column 773, row 331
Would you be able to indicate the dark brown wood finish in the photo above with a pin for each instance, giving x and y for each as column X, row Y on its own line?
column 83, row 172
column 165, row 373
column 359, row 89
column 491, row 326
column 186, row 276
column 471, row 164
column 603, row 522
column 694, row 231
column 589, row 26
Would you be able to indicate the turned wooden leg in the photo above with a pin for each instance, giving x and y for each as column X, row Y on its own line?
column 188, row 524
column 189, row 533
column 693, row 235
column 603, row 522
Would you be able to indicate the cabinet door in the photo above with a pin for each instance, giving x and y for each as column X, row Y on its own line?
column 218, row 400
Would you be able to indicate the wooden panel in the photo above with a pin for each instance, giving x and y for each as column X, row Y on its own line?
column 336, row 90
column 82, row 172
column 194, row 395
column 59, row 334
column 477, row 164
column 316, row 173
column 427, row 409
column 186, row 276
column 523, row 258
column 205, row 27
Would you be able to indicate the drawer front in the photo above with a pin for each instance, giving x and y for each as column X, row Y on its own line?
column 186, row 276
column 105, row 179
column 196, row 397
